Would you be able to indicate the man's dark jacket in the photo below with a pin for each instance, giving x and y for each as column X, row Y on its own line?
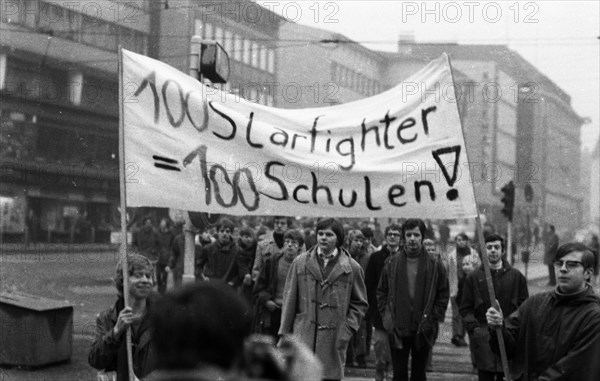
column 372, row 275
column 145, row 240
column 554, row 337
column 510, row 288
column 265, row 290
column 420, row 320
column 218, row 261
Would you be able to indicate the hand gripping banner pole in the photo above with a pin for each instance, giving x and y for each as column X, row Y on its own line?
column 484, row 257
column 123, row 243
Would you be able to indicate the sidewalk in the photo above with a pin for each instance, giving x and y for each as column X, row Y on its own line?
column 34, row 248
column 536, row 270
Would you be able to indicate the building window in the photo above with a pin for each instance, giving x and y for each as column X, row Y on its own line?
column 263, row 57
column 271, row 61
column 228, row 43
column 198, row 28
column 247, row 51
column 255, row 54
column 253, row 95
column 99, row 33
column 208, row 31
column 132, row 40
column 62, row 22
column 237, row 47
column 31, row 13
column 218, row 34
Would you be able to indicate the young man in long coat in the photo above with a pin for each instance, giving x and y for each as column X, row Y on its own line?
column 412, row 298
column 325, row 299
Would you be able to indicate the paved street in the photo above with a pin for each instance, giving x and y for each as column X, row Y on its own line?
column 83, row 277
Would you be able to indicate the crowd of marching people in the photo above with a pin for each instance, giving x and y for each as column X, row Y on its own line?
column 281, row 303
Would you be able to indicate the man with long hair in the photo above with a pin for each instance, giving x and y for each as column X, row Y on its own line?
column 412, row 298
column 325, row 298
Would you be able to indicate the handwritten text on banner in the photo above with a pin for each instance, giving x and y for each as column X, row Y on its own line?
column 191, row 147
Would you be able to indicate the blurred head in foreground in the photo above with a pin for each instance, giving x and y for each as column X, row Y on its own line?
column 201, row 325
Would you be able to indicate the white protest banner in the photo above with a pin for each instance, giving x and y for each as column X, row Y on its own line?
column 192, row 147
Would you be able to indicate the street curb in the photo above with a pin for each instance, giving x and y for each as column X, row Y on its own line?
column 8, row 249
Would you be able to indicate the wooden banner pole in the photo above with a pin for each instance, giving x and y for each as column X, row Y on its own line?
column 492, row 294
column 123, row 243
column 484, row 257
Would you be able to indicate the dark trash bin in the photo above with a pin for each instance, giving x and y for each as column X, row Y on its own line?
column 34, row 331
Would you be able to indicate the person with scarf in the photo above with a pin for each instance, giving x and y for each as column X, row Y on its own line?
column 271, row 246
column 412, row 298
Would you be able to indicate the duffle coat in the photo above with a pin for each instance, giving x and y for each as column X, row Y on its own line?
column 324, row 313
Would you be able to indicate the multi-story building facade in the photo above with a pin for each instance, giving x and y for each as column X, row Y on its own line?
column 318, row 68
column 59, row 115
column 518, row 124
column 590, row 184
column 59, row 89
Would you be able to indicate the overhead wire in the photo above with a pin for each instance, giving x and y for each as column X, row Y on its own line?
column 503, row 41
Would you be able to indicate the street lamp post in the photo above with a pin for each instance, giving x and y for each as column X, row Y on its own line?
column 208, row 60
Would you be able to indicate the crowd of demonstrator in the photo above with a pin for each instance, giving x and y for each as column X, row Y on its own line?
column 280, row 303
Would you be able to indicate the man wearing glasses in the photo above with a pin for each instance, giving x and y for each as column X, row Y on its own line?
column 510, row 287
column 556, row 335
column 271, row 283
column 271, row 246
column 381, row 344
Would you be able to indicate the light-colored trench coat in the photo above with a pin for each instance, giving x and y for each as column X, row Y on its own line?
column 324, row 313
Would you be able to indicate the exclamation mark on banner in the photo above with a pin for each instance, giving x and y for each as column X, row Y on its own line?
column 452, row 194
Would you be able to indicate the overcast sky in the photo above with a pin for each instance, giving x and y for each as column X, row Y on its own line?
column 559, row 37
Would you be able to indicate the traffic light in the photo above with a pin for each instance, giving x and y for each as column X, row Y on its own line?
column 508, row 200
column 209, row 59
column 202, row 220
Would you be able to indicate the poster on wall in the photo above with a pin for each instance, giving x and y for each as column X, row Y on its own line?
column 12, row 218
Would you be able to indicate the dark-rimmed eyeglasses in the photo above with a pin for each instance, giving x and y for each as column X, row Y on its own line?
column 288, row 242
column 571, row 265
